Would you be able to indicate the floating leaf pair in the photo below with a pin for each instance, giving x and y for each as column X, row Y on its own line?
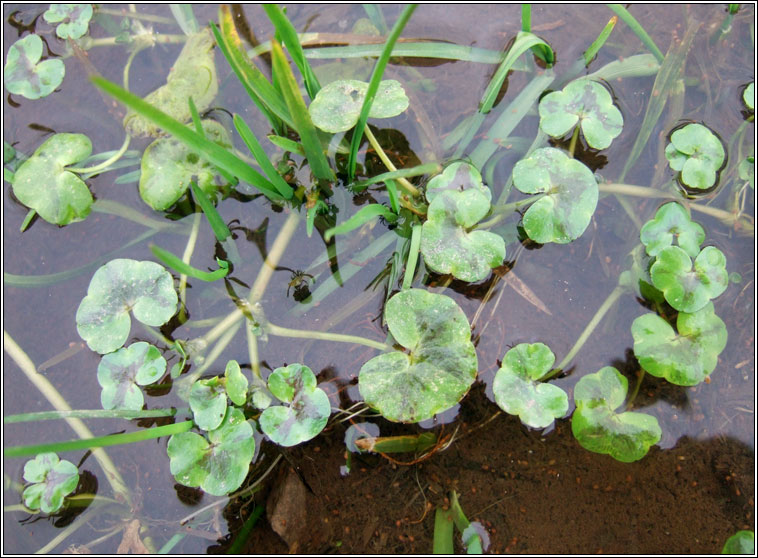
column 307, row 406
column 120, row 374
column 438, row 370
column 684, row 357
column 338, row 105
column 118, row 287
column 52, row 480
column 25, row 75
column 43, row 183
column 585, row 103
column 458, row 201
column 168, row 167
column 518, row 391
column 73, row 19
column 697, row 153
column 568, row 195
column 672, row 224
column 219, row 463
column 598, row 427
column 208, row 397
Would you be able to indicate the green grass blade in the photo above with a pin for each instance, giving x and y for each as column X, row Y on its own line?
column 258, row 87
column 362, row 216
column 99, row 441
column 442, row 543
column 287, row 144
column 176, row 263
column 220, row 230
column 598, row 43
column 392, row 193
column 419, row 170
column 93, row 413
column 216, row 154
column 410, row 268
column 375, row 15
column 542, row 51
column 373, row 87
column 526, row 17
column 397, row 444
column 638, row 30
column 303, row 124
column 241, row 539
column 196, row 117
column 288, row 35
column 255, row 148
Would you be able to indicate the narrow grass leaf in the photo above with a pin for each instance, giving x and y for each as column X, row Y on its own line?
column 442, row 543
column 255, row 148
column 93, row 413
column 241, row 539
column 375, row 15
column 410, row 268
column 287, row 144
column 638, row 30
column 303, row 124
column 185, row 18
column 373, row 87
column 211, row 151
column 176, row 263
column 419, row 170
column 598, row 43
column 288, row 35
column 220, row 230
column 195, row 117
column 362, row 216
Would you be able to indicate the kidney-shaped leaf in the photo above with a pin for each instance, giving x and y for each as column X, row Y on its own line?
column 25, row 75
column 742, row 542
column 570, row 195
column 236, row 383
column 43, row 183
column 120, row 374
column 208, row 403
column 595, row 424
column 684, row 358
column 458, row 177
column 687, row 288
column 584, row 102
column 52, row 480
column 118, row 287
column 193, row 74
column 168, row 166
column 73, row 19
column 218, row 464
column 517, row 389
column 672, row 223
column 449, row 247
column 307, row 410
column 338, row 105
column 440, row 367
column 697, row 153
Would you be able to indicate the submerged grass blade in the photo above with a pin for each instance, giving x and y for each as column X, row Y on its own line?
column 638, row 30
column 303, row 123
column 208, row 149
column 362, row 216
column 255, row 148
column 373, row 87
column 288, row 35
column 175, row 262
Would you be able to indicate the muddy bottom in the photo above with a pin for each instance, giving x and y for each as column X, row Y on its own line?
column 534, row 494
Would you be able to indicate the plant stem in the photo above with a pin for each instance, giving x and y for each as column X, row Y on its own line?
column 407, row 186
column 609, row 302
column 500, row 212
column 186, row 257
column 252, row 351
column 47, row 389
column 574, row 138
column 326, row 336
column 105, row 164
column 640, row 377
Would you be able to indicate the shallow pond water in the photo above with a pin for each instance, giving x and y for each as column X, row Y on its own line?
column 534, row 491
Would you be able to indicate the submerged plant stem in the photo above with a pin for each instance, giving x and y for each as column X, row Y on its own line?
column 325, row 336
column 599, row 315
column 574, row 139
column 407, row 186
column 56, row 400
column 105, row 164
column 186, row 257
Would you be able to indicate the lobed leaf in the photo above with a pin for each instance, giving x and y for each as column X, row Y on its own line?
column 52, row 480
column 672, row 223
column 697, row 153
column 25, row 75
column 73, row 18
column 120, row 374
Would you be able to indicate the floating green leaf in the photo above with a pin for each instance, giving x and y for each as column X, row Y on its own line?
column 565, row 209
column 169, row 165
column 53, row 480
column 119, row 286
column 598, row 427
column 687, row 289
column 697, row 153
column 458, row 201
column 684, row 358
column 218, row 464
column 584, row 102
column 236, row 383
column 337, row 105
column 208, row 403
column 746, row 170
column 672, row 223
column 307, row 411
column 742, row 542
column 193, row 74
column 25, row 75
column 43, row 183
column 122, row 372
column 74, row 17
column 748, row 95
column 440, row 367
column 518, row 391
